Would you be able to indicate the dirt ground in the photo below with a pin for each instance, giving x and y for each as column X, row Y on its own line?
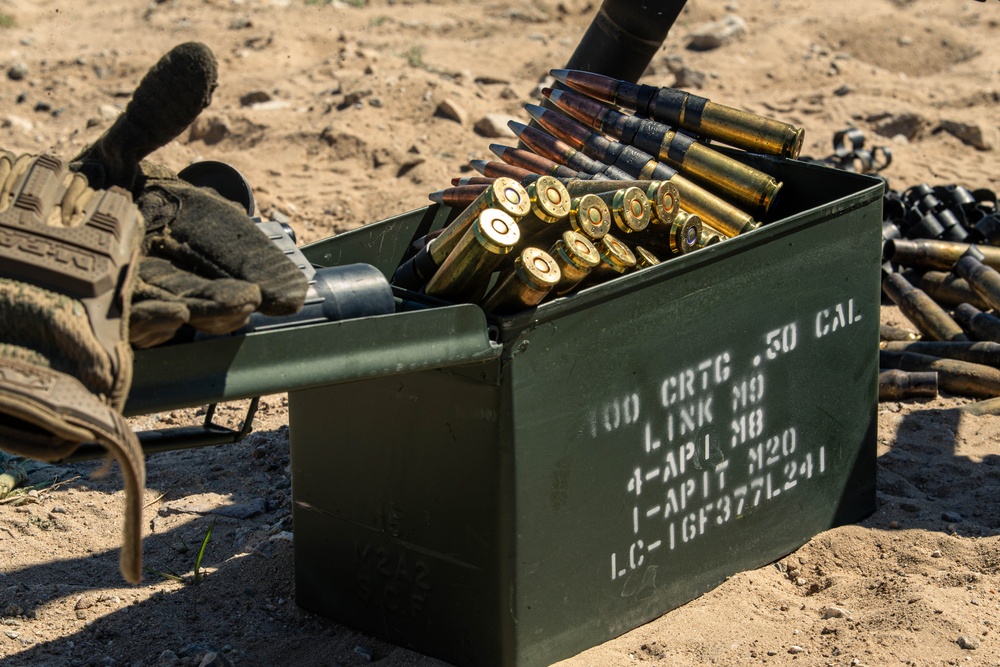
column 329, row 110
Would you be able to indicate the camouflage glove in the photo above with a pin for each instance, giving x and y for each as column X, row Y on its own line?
column 205, row 262
column 67, row 255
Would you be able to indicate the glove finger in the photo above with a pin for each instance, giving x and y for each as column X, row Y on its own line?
column 216, row 306
column 168, row 99
column 214, row 238
column 45, row 414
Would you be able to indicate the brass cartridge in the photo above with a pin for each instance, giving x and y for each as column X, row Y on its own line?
column 533, row 275
column 955, row 377
column 979, row 325
column 934, row 254
column 495, row 169
column 630, row 209
column 534, row 162
column 930, row 318
column 897, row 385
column 709, row 236
column 981, row 352
column 616, row 259
column 550, row 205
column 466, row 271
column 666, row 201
column 644, row 258
column 504, row 194
column 889, row 333
column 723, row 216
column 739, row 183
column 701, row 116
column 559, row 151
column 949, row 290
column 576, row 256
column 590, row 216
column 984, row 280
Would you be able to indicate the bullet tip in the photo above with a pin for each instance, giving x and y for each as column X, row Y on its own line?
column 535, row 111
column 478, row 165
column 518, row 128
column 437, row 197
column 560, row 74
column 498, row 149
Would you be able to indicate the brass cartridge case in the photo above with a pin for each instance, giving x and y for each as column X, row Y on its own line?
column 666, row 200
column 630, row 209
column 979, row 325
column 504, row 194
column 720, row 214
column 984, row 280
column 934, row 254
column 990, row 406
column 466, row 271
column 949, row 290
column 616, row 259
column 930, row 318
column 700, row 115
column 981, row 352
column 889, row 333
column 954, row 377
column 678, row 237
column 709, row 236
column 533, row 275
column 590, row 216
column 644, row 258
column 739, row 183
column 897, row 385
column 550, row 205
column 576, row 257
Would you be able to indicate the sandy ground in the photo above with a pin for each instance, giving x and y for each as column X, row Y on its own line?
column 328, row 109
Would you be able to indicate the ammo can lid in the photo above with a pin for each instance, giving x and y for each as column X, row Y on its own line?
column 496, row 231
column 551, row 199
column 590, row 216
column 509, row 196
column 631, row 210
column 537, row 269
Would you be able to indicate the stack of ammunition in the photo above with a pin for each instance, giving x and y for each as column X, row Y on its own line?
column 596, row 193
column 948, row 289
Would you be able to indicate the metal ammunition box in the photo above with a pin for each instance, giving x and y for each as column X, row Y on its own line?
column 491, row 492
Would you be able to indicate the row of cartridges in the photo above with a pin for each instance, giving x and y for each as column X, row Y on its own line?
column 596, row 192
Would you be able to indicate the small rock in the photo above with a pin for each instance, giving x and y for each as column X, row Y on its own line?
column 910, row 125
column 12, row 610
column 452, row 111
column 254, row 97
column 215, row 659
column 352, row 98
column 209, row 129
column 800, row 581
column 168, row 657
column 952, row 517
column 84, row 602
column 17, row 72
column 11, row 634
column 967, row 642
column 364, row 652
column 81, row 614
column 17, row 123
column 493, row 125
column 936, row 553
column 794, row 650
column 108, row 111
column 491, row 80
column 58, row 509
column 713, row 35
column 895, row 525
column 375, row 102
column 836, row 612
column 772, row 653
column 975, row 135
column 684, row 76
column 843, row 90
column 904, row 40
column 43, row 107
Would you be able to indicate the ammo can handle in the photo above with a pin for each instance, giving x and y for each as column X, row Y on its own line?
column 624, row 36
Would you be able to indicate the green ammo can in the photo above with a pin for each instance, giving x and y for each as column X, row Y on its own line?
column 569, row 474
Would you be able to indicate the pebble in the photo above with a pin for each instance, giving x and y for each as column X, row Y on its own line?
column 452, row 111
column 836, row 612
column 108, row 111
column 352, row 98
column 17, row 72
column 210, row 129
column 719, row 33
column 952, row 517
column 254, row 97
column 364, row 652
column 936, row 553
column 796, row 649
column 967, row 642
column 493, row 126
column 11, row 634
column 168, row 657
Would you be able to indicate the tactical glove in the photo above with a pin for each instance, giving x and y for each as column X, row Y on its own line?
column 205, row 262
column 67, row 254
